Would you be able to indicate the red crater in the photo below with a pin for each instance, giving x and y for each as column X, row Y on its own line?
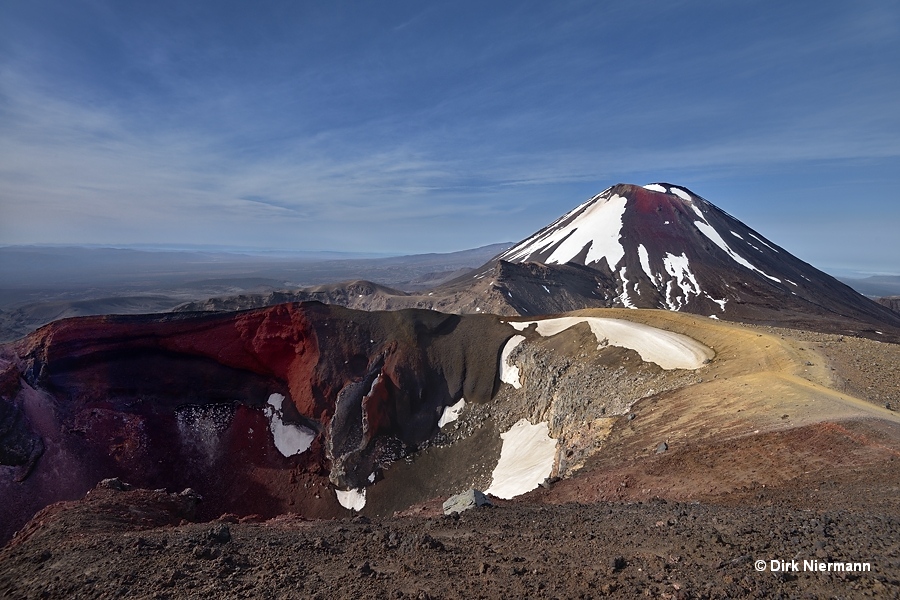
column 178, row 401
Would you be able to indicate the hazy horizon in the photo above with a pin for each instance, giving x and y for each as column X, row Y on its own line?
column 329, row 255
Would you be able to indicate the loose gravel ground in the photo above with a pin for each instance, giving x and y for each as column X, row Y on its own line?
column 652, row 549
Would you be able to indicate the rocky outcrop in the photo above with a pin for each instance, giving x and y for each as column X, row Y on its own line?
column 357, row 294
column 892, row 302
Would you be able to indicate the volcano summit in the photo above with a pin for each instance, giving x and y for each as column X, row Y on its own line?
column 662, row 246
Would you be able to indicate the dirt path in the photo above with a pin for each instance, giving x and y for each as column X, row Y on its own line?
column 761, row 414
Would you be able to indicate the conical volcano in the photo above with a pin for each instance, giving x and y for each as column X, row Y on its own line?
column 662, row 246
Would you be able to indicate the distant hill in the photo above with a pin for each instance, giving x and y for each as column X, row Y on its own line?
column 875, row 286
column 39, row 284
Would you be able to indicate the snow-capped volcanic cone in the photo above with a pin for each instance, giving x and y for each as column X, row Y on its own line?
column 662, row 246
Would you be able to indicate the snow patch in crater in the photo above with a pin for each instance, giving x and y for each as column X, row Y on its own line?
column 352, row 499
column 655, row 187
column 510, row 373
column 526, row 459
column 289, row 439
column 451, row 413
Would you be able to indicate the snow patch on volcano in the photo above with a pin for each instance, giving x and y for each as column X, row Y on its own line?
column 526, row 460
column 764, row 243
column 644, row 257
column 655, row 187
column 623, row 297
column 680, row 193
column 721, row 302
column 713, row 235
column 595, row 225
column 679, row 268
column 710, row 232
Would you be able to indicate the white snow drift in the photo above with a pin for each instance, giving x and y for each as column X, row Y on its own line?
column 510, row 373
column 667, row 349
column 352, row 499
column 710, row 232
column 289, row 439
column 526, row 459
column 451, row 413
column 679, row 268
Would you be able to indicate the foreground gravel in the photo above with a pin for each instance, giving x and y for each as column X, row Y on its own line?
column 657, row 549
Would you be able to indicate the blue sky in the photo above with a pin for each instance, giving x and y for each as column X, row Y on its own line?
column 438, row 126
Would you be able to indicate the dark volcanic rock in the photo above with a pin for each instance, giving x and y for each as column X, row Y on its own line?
column 19, row 445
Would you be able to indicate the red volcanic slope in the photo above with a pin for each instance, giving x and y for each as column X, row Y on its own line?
column 181, row 401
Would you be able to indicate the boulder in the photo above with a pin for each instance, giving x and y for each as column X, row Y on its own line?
column 461, row 502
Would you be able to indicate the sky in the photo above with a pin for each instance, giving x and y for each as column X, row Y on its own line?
column 409, row 126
